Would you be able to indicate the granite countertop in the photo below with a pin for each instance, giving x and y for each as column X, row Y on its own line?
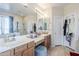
column 14, row 44
column 20, row 40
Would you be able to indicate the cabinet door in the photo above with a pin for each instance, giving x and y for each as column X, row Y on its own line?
column 7, row 53
column 19, row 50
column 25, row 53
column 29, row 52
column 47, row 41
column 18, row 53
column 30, row 44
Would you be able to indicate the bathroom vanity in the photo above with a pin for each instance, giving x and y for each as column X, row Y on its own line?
column 24, row 46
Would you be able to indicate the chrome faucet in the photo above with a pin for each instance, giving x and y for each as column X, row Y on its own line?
column 6, row 38
column 9, row 38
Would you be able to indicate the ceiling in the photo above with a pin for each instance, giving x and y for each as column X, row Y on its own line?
column 16, row 8
column 24, row 9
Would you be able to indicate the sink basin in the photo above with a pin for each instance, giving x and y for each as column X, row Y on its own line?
column 9, row 44
column 13, row 43
column 10, row 39
column 32, row 36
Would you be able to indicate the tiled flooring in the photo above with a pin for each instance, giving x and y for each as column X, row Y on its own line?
column 58, row 51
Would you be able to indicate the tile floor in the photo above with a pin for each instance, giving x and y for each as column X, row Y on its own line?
column 59, row 51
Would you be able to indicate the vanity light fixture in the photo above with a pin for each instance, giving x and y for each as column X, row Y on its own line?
column 40, row 12
column 45, row 15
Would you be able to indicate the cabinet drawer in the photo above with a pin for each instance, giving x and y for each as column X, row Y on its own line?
column 47, row 41
column 31, row 44
column 20, row 48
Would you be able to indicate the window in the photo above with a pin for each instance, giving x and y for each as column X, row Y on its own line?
column 6, row 24
column 0, row 25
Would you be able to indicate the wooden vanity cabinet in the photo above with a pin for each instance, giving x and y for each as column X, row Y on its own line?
column 30, row 50
column 22, row 50
column 47, row 41
column 19, row 50
column 7, row 53
column 25, row 50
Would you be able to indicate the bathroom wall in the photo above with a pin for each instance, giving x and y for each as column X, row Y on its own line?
column 62, row 12
column 72, row 10
column 67, row 11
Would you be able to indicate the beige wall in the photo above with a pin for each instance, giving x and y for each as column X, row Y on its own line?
column 69, row 11
column 71, row 8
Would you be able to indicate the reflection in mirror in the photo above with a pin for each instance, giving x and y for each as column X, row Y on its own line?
column 45, row 26
column 6, row 24
column 17, row 26
column 21, row 20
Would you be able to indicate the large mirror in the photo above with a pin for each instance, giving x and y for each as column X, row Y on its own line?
column 21, row 20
